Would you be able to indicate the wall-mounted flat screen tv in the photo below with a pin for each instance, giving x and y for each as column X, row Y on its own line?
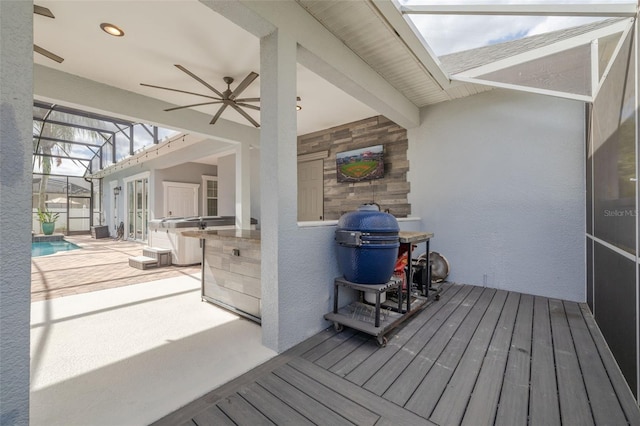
column 360, row 164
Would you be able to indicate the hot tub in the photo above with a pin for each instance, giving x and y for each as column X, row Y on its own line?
column 167, row 233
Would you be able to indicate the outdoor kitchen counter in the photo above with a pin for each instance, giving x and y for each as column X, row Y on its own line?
column 224, row 234
column 231, row 269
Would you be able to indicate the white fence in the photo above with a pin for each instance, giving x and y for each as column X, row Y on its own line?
column 79, row 220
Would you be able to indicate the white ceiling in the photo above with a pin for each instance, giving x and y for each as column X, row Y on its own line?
column 159, row 34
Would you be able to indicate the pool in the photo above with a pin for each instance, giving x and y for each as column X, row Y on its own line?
column 51, row 247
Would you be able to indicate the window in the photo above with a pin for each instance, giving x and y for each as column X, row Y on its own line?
column 209, row 196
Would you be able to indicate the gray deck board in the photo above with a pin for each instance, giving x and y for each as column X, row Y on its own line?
column 544, row 408
column 304, row 404
column 391, row 412
column 358, row 357
column 240, row 411
column 453, row 402
column 396, row 364
column 402, row 388
column 363, row 372
column 328, row 396
column 366, row 358
column 212, row 416
column 513, row 407
column 276, row 410
column 342, row 351
column 620, row 386
column 476, row 357
column 602, row 397
column 574, row 404
column 483, row 403
column 329, row 345
column 425, row 397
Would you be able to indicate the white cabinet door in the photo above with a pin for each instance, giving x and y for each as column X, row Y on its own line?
column 180, row 199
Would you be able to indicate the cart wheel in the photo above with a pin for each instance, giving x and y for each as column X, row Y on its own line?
column 437, row 297
column 337, row 327
column 382, row 341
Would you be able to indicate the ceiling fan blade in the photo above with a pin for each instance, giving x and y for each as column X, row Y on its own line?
column 180, row 91
column 193, row 105
column 245, row 83
column 257, row 108
column 207, row 85
column 248, row 100
column 43, row 11
column 48, row 54
column 245, row 115
column 218, row 114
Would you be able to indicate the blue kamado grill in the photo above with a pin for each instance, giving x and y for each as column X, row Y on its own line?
column 367, row 245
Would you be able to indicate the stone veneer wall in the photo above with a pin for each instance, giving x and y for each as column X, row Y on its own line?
column 389, row 192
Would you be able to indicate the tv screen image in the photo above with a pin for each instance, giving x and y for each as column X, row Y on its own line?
column 360, row 164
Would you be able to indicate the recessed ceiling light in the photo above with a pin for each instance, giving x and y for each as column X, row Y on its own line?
column 111, row 29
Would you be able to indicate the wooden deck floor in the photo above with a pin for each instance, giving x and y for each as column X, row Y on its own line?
column 476, row 357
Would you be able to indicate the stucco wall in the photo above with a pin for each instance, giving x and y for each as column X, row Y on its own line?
column 16, row 109
column 499, row 179
column 184, row 173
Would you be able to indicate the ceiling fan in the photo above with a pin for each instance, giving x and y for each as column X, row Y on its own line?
column 43, row 11
column 228, row 97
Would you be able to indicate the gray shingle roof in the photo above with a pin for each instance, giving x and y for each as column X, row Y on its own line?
column 462, row 61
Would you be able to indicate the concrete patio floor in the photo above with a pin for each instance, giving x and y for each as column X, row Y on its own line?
column 113, row 345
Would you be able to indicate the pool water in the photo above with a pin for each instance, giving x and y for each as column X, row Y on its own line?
column 51, row 247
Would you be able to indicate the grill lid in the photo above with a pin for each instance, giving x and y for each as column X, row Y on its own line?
column 367, row 226
column 370, row 221
column 357, row 238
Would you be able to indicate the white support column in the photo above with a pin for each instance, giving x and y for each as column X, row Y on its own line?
column 278, row 186
column 595, row 68
column 16, row 120
column 243, row 186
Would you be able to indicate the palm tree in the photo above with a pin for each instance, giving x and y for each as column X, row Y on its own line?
column 50, row 144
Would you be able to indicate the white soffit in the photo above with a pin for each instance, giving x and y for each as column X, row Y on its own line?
column 418, row 48
column 362, row 27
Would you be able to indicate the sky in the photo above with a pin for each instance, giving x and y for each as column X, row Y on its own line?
column 448, row 33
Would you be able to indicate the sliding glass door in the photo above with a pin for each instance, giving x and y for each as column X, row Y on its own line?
column 137, row 208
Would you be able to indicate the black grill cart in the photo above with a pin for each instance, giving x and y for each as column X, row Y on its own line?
column 383, row 316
